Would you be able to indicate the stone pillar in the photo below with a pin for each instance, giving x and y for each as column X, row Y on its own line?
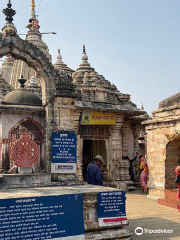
column 124, row 140
column 136, row 164
column 76, row 123
column 137, row 129
column 116, row 149
column 4, row 156
column 122, row 179
column 48, row 134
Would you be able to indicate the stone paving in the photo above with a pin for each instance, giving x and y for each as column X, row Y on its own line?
column 146, row 213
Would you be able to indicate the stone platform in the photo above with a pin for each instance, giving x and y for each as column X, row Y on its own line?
column 92, row 229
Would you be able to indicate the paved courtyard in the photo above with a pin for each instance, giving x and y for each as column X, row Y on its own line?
column 147, row 214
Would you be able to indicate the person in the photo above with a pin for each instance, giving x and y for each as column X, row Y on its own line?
column 177, row 181
column 131, row 172
column 93, row 174
column 144, row 173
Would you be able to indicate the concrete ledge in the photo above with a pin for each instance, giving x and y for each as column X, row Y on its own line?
column 24, row 180
column 92, row 229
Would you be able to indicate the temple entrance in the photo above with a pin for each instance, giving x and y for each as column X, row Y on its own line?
column 172, row 161
column 91, row 148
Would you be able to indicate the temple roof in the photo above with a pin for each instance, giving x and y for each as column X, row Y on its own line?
column 94, row 88
column 22, row 96
column 34, row 36
column 170, row 101
column 60, row 65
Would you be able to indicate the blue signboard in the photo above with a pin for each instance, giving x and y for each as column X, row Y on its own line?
column 64, row 151
column 111, row 208
column 36, row 218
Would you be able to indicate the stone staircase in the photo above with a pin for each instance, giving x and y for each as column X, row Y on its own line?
column 170, row 200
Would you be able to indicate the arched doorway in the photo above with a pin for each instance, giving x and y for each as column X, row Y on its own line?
column 171, row 162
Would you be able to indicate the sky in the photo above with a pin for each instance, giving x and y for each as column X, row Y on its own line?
column 135, row 44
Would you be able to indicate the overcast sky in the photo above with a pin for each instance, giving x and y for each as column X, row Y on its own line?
column 135, row 44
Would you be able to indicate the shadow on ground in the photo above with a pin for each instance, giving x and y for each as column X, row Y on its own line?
column 154, row 223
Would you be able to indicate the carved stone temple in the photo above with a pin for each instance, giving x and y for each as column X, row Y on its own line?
column 39, row 98
column 56, row 98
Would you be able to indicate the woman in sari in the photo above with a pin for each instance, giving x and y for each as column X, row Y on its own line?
column 144, row 173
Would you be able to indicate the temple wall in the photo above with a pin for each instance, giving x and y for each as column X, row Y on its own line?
column 163, row 155
column 67, row 120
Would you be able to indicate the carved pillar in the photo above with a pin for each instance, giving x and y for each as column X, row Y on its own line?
column 122, row 166
column 136, row 164
column 125, row 140
column 137, row 130
column 116, row 149
column 79, row 171
column 48, row 134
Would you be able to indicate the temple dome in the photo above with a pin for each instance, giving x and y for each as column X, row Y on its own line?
column 22, row 97
column 170, row 101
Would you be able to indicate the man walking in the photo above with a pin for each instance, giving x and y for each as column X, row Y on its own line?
column 94, row 175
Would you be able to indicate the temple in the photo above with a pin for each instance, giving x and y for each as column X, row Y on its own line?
column 44, row 105
column 53, row 121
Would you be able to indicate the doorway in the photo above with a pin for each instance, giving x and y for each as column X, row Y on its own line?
column 172, row 161
column 91, row 148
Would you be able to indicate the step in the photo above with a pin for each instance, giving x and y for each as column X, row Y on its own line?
column 168, row 202
column 131, row 188
column 137, row 184
column 171, row 193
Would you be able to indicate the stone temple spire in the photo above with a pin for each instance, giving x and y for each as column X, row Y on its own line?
column 34, row 36
column 33, row 22
column 34, row 87
column 60, row 65
column 59, row 57
column 142, row 107
column 85, row 65
column 33, row 12
column 84, row 57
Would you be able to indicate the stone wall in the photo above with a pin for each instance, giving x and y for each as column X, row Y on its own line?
column 162, row 149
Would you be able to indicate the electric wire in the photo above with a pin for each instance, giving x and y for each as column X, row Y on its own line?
column 39, row 7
